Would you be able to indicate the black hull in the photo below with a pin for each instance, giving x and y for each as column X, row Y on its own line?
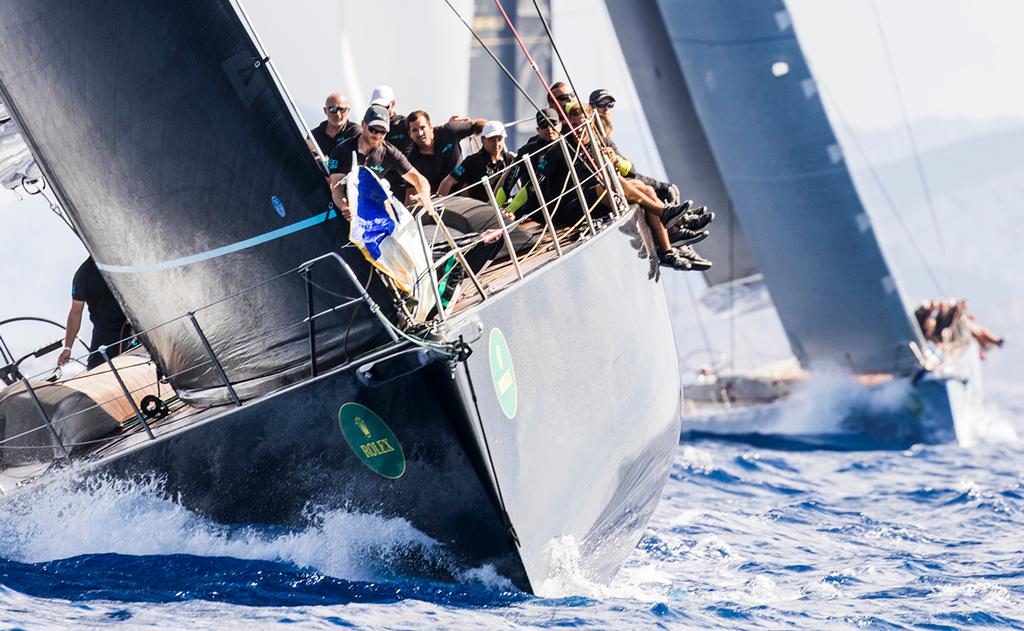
column 584, row 458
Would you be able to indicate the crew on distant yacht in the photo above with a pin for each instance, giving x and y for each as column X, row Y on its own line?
column 337, row 128
column 939, row 321
column 378, row 155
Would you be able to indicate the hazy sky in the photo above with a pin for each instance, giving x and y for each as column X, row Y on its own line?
column 955, row 60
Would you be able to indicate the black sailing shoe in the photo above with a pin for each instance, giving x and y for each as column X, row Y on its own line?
column 687, row 237
column 673, row 259
column 697, row 219
column 697, row 262
column 668, row 193
column 672, row 215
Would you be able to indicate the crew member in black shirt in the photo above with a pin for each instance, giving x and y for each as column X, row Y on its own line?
column 549, row 126
column 490, row 161
column 337, row 128
column 109, row 325
column 378, row 155
column 435, row 151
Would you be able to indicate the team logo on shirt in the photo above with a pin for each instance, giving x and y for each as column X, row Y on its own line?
column 332, row 164
column 459, row 170
column 447, row 147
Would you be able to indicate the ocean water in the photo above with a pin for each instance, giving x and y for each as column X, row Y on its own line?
column 929, row 537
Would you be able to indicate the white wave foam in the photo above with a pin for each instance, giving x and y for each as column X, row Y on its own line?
column 115, row 516
column 821, row 403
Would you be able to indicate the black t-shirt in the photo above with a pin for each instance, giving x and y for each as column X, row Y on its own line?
column 447, row 152
column 327, row 142
column 384, row 159
column 553, row 171
column 398, row 134
column 476, row 166
column 108, row 320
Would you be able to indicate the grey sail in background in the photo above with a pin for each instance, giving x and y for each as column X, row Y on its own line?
column 491, row 93
column 175, row 155
column 790, row 185
column 678, row 134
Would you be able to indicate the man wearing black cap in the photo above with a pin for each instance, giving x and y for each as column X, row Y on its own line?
column 524, row 201
column 603, row 102
column 375, row 153
column 435, row 151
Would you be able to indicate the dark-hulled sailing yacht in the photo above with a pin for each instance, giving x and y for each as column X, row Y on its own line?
column 750, row 137
column 540, row 407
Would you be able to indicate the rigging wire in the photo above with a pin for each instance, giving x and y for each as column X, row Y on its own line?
column 884, row 190
column 554, row 47
column 545, row 84
column 490, row 53
column 909, row 128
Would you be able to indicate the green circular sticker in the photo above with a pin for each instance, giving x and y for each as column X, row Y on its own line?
column 372, row 440
column 503, row 373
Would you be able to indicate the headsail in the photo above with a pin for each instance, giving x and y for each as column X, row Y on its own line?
column 172, row 149
column 778, row 156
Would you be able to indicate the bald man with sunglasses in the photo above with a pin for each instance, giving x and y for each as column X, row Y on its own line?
column 337, row 127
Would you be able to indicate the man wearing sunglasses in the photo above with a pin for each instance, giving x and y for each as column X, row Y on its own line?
column 377, row 154
column 562, row 95
column 337, row 128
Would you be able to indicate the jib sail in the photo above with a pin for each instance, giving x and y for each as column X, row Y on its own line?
column 175, row 155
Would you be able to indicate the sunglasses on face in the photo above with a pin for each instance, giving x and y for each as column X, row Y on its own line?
column 562, row 98
column 377, row 131
column 608, row 104
column 336, row 109
column 547, row 124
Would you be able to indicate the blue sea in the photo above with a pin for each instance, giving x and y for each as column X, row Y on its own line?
column 745, row 536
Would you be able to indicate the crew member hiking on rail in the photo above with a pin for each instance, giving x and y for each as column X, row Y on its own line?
column 491, row 160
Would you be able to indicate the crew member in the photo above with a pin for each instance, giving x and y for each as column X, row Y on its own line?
column 337, row 128
column 491, row 160
column 109, row 325
column 378, row 155
column 435, row 151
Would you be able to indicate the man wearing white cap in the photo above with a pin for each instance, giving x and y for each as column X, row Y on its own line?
column 489, row 162
column 398, row 135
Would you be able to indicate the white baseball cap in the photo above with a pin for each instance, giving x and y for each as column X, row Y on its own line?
column 493, row 128
column 382, row 95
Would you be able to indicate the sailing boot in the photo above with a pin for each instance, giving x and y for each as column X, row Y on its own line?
column 672, row 215
column 674, row 260
column 697, row 262
column 697, row 219
column 687, row 237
